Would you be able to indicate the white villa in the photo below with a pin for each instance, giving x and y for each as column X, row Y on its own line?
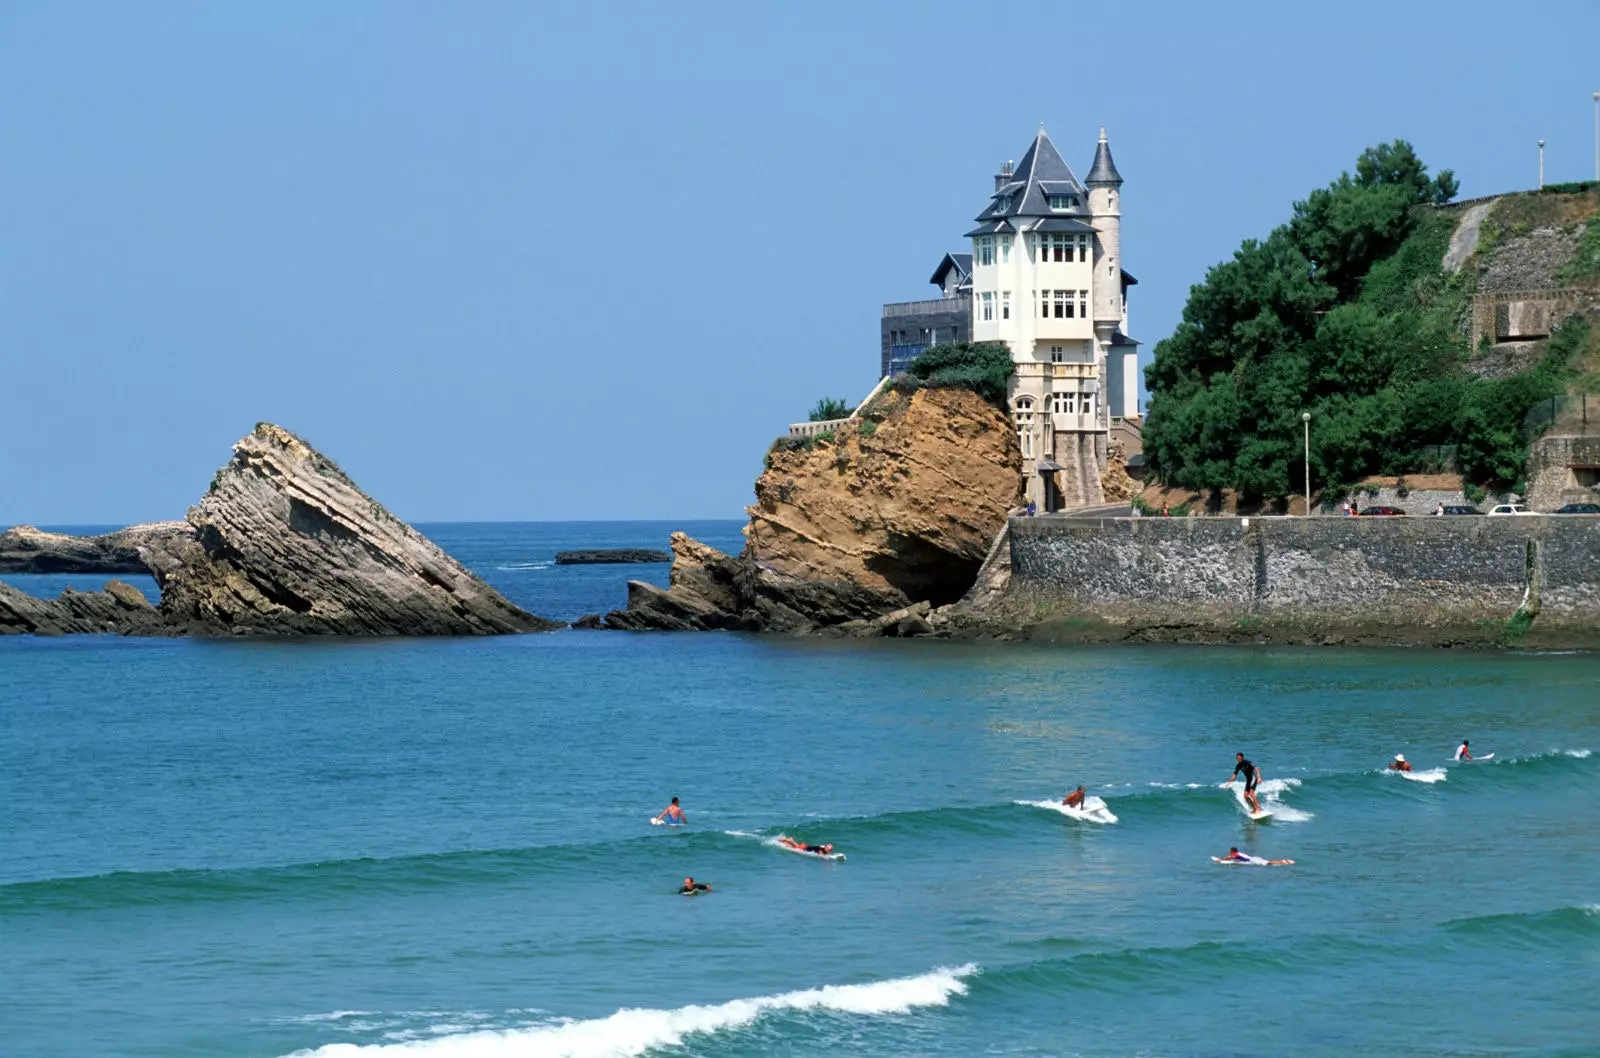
column 1047, row 280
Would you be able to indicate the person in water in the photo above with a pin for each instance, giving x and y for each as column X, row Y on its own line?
column 800, row 846
column 1399, row 763
column 691, row 887
column 1251, row 775
column 1462, row 752
column 1235, row 856
column 1074, row 799
column 671, row 814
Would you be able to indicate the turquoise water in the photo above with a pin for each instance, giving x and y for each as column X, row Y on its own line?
column 442, row 848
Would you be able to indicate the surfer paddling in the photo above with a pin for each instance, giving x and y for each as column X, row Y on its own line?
column 1235, row 856
column 1399, row 763
column 1462, row 752
column 673, row 813
column 690, row 887
column 1074, row 799
column 1251, row 775
column 799, row 846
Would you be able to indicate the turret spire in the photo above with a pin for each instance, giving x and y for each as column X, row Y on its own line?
column 1104, row 170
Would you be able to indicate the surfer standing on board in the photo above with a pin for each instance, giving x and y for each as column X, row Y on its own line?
column 1462, row 752
column 1251, row 775
column 671, row 814
column 1074, row 799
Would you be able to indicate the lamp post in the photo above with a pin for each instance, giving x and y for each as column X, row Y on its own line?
column 1541, row 165
column 1305, row 420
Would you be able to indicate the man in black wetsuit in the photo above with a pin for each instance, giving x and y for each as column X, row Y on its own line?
column 1251, row 775
column 691, row 887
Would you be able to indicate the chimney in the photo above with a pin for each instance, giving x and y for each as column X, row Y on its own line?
column 1003, row 177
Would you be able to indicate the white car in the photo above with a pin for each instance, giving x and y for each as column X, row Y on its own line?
column 1509, row 508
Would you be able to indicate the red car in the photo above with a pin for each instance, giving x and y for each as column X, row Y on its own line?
column 1377, row 512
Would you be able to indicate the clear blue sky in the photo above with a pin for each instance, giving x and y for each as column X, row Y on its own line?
column 537, row 261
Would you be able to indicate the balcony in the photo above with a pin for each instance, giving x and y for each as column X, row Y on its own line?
column 960, row 305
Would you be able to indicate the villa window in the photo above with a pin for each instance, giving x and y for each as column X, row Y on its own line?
column 986, row 249
column 1083, row 304
column 1023, row 414
column 1063, row 304
column 1065, row 404
column 1058, row 354
column 1061, row 203
column 1002, row 204
column 1005, row 249
column 1083, row 247
column 987, row 301
column 1005, row 304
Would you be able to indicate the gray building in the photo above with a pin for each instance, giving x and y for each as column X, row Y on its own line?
column 909, row 327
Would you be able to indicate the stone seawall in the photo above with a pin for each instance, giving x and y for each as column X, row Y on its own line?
column 1309, row 580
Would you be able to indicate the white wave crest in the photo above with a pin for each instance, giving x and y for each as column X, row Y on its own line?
column 1094, row 810
column 1581, row 754
column 630, row 1032
column 1426, row 775
column 1270, row 793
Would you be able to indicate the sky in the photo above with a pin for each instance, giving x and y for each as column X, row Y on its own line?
column 508, row 261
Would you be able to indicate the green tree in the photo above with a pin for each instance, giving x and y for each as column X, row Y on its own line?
column 984, row 367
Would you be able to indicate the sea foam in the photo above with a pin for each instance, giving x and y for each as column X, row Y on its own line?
column 630, row 1032
column 1094, row 809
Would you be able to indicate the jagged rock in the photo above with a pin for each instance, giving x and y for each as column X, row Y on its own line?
column 902, row 503
column 120, row 609
column 713, row 591
column 613, row 555
column 285, row 544
column 590, row 621
column 24, row 549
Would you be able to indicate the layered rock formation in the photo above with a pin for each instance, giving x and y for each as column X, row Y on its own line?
column 608, row 556
column 285, row 544
column 120, row 609
column 895, row 509
column 24, row 549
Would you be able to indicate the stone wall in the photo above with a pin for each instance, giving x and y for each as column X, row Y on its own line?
column 1564, row 469
column 1320, row 580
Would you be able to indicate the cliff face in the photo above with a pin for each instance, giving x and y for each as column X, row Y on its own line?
column 284, row 543
column 859, row 532
column 120, row 609
column 902, row 503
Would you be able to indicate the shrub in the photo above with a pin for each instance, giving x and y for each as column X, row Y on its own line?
column 1474, row 493
column 867, row 428
column 983, row 367
column 829, row 408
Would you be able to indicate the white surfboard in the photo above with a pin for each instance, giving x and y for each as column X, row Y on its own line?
column 665, row 822
column 1093, row 810
column 835, row 856
column 1255, row 862
column 1474, row 760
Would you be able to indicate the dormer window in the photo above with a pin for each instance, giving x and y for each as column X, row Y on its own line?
column 1002, row 204
column 1063, row 203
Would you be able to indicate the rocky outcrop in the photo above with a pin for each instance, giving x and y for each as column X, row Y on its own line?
column 710, row 590
column 24, row 549
column 902, row 503
column 284, row 543
column 610, row 556
column 119, row 609
column 860, row 533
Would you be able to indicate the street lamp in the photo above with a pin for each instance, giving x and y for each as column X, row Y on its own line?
column 1541, row 165
column 1305, row 420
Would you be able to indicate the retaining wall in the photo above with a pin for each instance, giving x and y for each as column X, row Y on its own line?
column 1402, row 580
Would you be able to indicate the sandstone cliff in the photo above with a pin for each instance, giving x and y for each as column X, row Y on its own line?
column 896, row 510
column 284, row 543
column 24, row 549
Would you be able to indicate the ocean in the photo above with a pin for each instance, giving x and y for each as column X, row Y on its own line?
column 442, row 849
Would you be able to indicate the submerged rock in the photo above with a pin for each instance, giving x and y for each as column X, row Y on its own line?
column 24, row 549
column 284, row 543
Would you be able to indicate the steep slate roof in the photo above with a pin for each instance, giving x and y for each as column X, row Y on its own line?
column 1027, row 191
column 1104, row 170
column 961, row 262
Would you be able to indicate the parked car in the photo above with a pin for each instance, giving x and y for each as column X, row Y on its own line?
column 1461, row 510
column 1378, row 512
column 1509, row 508
column 1580, row 508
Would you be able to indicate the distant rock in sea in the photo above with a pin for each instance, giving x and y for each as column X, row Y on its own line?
column 286, row 544
column 614, row 555
column 120, row 608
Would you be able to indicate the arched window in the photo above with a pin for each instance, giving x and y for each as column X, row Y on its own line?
column 1022, row 411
